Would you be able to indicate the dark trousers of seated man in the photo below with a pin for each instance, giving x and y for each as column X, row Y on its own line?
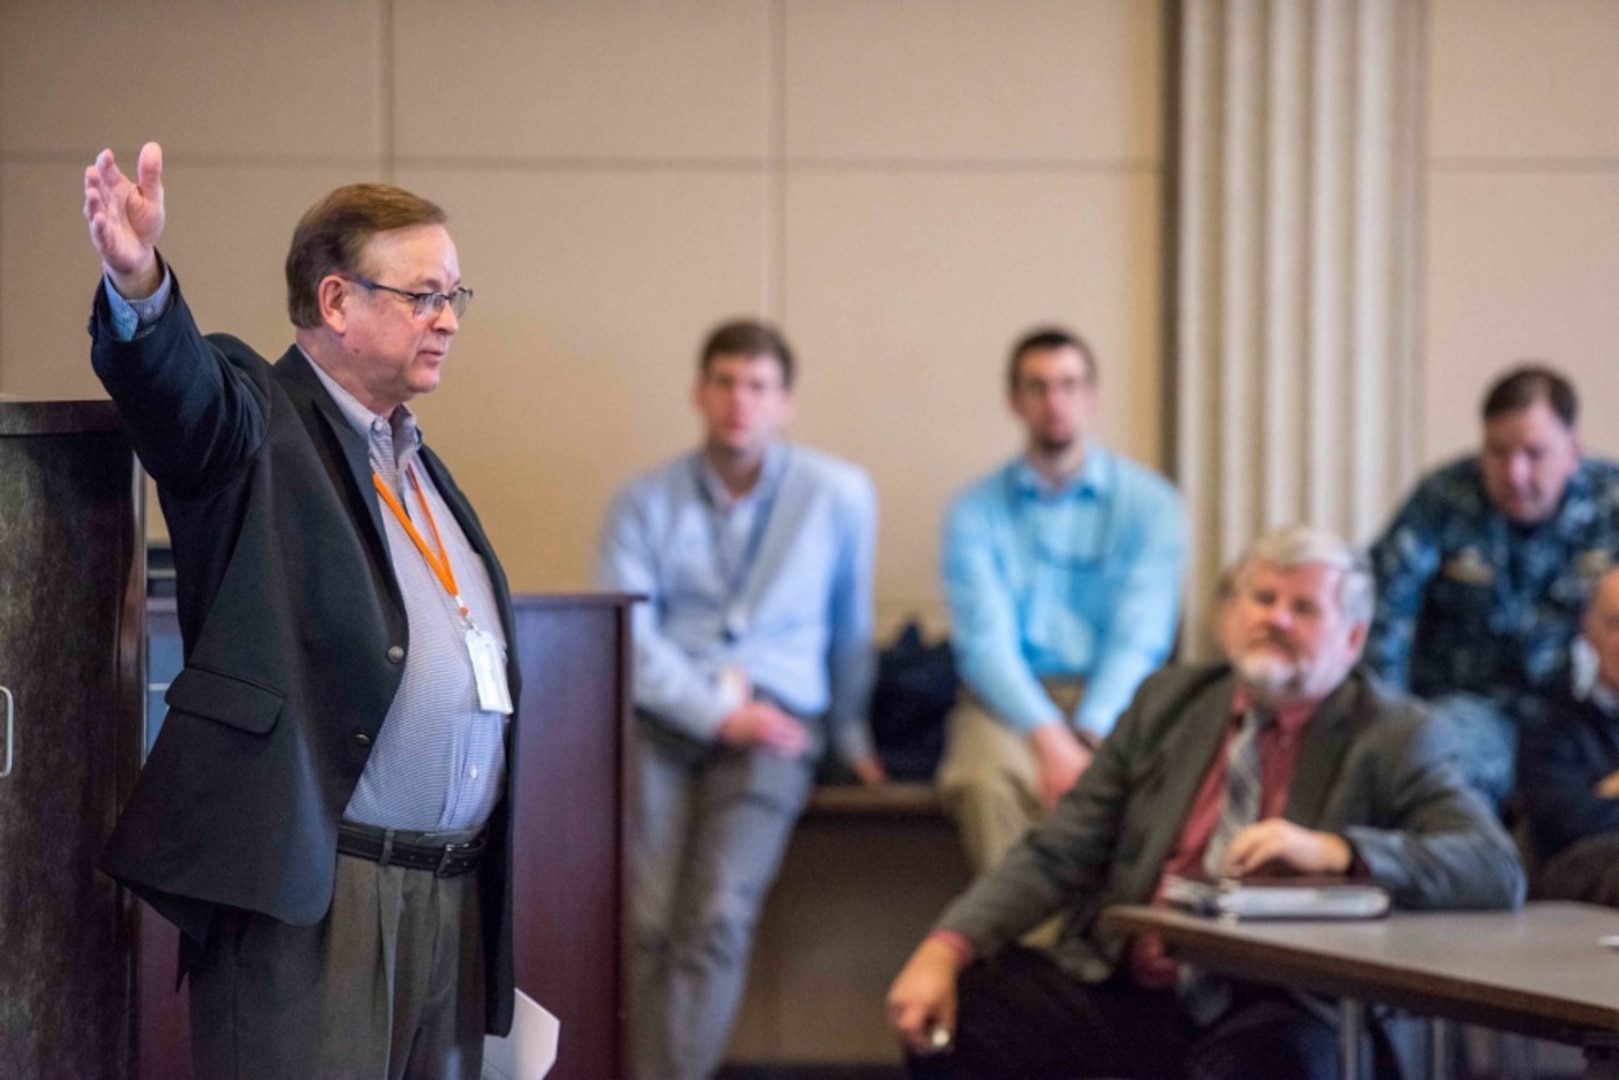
column 1587, row 870
column 1022, row 1016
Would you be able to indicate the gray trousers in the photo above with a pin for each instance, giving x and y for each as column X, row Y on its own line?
column 711, row 826
column 389, row 986
column 988, row 781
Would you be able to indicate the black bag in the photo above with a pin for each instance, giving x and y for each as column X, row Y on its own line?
column 914, row 692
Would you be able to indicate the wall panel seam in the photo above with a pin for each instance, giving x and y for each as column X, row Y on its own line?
column 387, row 95
column 776, row 203
column 1518, row 166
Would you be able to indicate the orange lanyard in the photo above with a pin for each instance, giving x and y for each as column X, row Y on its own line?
column 438, row 563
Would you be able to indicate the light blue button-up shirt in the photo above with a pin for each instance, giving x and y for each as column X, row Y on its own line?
column 439, row 762
column 776, row 585
column 1083, row 582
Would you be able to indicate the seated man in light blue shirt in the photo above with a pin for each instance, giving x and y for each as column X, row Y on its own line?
column 1063, row 573
column 752, row 650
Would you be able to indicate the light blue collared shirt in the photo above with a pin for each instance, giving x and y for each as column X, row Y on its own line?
column 439, row 763
column 776, row 584
column 1084, row 581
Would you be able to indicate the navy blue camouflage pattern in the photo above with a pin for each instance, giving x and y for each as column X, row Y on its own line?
column 1469, row 602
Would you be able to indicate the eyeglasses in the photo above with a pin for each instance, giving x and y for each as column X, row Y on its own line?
column 424, row 305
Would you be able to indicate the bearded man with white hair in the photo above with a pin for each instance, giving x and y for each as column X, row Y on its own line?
column 1286, row 758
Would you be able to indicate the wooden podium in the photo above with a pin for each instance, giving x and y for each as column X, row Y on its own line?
column 71, row 588
column 569, row 883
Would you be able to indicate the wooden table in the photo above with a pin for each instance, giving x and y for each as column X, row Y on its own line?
column 1541, row 971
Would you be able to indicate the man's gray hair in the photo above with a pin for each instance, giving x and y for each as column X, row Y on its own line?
column 1301, row 545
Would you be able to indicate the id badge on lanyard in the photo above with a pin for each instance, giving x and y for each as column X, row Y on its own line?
column 483, row 649
column 489, row 668
column 735, row 578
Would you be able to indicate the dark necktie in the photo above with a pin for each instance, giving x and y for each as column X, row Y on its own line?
column 1242, row 783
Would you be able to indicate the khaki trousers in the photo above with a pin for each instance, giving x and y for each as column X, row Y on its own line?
column 389, row 986
column 988, row 781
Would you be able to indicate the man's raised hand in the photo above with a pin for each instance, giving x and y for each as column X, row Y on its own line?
column 126, row 219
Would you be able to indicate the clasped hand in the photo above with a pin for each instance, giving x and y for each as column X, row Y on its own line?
column 1276, row 840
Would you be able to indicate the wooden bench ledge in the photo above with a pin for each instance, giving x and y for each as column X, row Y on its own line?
column 900, row 800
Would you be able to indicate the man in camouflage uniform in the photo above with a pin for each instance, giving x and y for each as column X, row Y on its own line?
column 1484, row 573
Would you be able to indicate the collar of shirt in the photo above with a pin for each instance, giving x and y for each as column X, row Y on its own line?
column 407, row 436
column 1580, row 508
column 1603, row 697
column 1094, row 479
column 1579, row 484
column 719, row 496
column 1290, row 720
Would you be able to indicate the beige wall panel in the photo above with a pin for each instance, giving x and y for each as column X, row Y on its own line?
column 226, row 237
column 622, row 79
column 1520, row 266
column 1524, row 78
column 978, row 80
column 47, row 279
column 292, row 77
column 575, row 362
column 904, row 292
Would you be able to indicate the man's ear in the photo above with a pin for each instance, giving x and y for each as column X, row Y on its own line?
column 333, row 296
column 1014, row 405
column 1357, row 638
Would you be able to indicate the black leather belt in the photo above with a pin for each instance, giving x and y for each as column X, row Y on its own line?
column 382, row 846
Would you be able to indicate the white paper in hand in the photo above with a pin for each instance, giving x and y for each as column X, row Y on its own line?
column 529, row 1051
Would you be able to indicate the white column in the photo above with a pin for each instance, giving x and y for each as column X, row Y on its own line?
column 1295, row 251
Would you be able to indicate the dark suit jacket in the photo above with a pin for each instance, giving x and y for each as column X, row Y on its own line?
column 294, row 632
column 1369, row 770
column 1562, row 757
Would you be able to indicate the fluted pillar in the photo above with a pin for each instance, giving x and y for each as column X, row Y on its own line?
column 1294, row 230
